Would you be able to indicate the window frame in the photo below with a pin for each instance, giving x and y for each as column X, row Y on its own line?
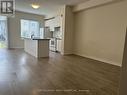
column 29, row 25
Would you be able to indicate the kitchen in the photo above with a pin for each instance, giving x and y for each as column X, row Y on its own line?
column 48, row 37
column 53, row 31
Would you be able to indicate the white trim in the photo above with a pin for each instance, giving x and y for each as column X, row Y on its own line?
column 66, row 53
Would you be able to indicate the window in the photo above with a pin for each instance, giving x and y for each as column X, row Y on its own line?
column 30, row 28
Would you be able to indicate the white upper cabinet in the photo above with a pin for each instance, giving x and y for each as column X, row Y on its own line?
column 52, row 23
column 58, row 21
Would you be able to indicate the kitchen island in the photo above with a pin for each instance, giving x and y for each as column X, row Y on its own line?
column 37, row 47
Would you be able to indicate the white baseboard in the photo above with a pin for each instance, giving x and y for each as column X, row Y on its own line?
column 66, row 53
column 99, row 59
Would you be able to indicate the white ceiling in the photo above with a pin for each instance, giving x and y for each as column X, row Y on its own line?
column 46, row 6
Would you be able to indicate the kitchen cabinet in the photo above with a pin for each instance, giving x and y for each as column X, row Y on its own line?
column 37, row 47
column 59, row 45
column 52, row 23
column 57, row 21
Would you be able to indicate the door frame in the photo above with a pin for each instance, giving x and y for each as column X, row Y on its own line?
column 123, row 80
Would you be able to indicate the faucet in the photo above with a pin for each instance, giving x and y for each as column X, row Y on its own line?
column 32, row 36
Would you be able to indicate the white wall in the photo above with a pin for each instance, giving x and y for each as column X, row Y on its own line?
column 91, row 3
column 100, row 32
column 15, row 40
column 68, row 30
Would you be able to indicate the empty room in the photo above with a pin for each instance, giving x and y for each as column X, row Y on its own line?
column 63, row 47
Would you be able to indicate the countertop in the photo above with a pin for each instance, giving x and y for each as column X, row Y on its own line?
column 36, row 38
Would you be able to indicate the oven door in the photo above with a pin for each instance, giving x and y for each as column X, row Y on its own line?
column 52, row 42
column 52, row 45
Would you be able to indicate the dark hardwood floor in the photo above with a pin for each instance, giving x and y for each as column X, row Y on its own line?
column 23, row 74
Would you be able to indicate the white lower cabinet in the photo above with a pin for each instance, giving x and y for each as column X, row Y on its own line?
column 58, row 48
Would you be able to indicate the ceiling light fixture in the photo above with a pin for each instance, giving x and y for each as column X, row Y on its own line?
column 35, row 6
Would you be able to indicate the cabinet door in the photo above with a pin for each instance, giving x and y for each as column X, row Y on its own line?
column 57, row 21
column 50, row 24
column 59, row 45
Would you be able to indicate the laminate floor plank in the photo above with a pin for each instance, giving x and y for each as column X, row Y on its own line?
column 23, row 74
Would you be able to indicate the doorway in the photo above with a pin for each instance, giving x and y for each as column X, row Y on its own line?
column 3, row 32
